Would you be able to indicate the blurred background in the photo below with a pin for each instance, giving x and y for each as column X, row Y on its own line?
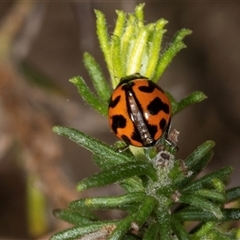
column 41, row 48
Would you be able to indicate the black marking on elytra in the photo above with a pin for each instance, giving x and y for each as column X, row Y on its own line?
column 152, row 130
column 157, row 105
column 162, row 123
column 150, row 88
column 147, row 89
column 126, row 139
column 113, row 102
column 118, row 121
column 136, row 136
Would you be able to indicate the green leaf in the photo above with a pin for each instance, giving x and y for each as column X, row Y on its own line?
column 76, row 232
column 89, row 97
column 118, row 173
column 120, row 23
column 182, row 181
column 208, row 226
column 132, row 184
column 154, row 50
column 179, row 230
column 196, row 156
column 111, row 156
column 193, row 214
column 233, row 194
column 139, row 13
column 194, row 163
column 223, row 174
column 152, row 232
column 135, row 58
column 144, row 210
column 123, row 226
column 118, row 202
column 192, row 98
column 231, row 214
column 126, row 44
column 215, row 234
column 72, row 217
column 211, row 194
column 104, row 40
column 170, row 53
column 100, row 84
column 116, row 57
column 101, row 162
column 166, row 59
column 181, row 34
column 201, row 203
column 138, row 218
column 219, row 186
column 164, row 224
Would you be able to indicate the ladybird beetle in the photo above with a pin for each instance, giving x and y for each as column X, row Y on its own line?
column 139, row 111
